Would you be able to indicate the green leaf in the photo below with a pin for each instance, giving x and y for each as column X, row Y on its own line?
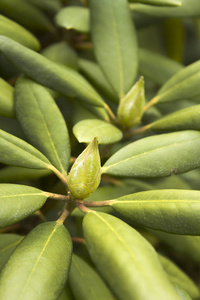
column 185, row 245
column 38, row 268
column 50, row 6
column 157, row 156
column 74, row 17
column 183, row 85
column 10, row 174
column 187, row 9
column 6, row 99
column 115, row 44
column 187, row 118
column 8, row 243
column 16, row 32
column 86, row 130
column 182, row 293
column 66, row 294
column 18, row 202
column 84, row 111
column 16, row 152
column 178, row 277
column 129, row 263
column 62, row 53
column 85, row 282
column 156, row 66
column 159, row 2
column 26, row 14
column 95, row 75
column 175, row 211
column 37, row 111
column 62, row 79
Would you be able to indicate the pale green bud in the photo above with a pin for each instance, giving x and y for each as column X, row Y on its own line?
column 130, row 109
column 85, row 174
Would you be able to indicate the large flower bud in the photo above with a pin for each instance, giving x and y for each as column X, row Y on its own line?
column 85, row 174
column 130, row 109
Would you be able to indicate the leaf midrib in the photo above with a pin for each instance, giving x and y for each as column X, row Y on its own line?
column 166, row 201
column 23, row 195
column 140, row 266
column 38, row 259
column 27, row 153
column 177, row 85
column 117, row 43
column 47, row 130
column 90, row 287
column 145, row 153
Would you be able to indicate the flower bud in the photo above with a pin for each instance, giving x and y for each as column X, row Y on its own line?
column 85, row 174
column 130, row 109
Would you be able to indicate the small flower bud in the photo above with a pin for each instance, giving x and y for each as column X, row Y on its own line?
column 85, row 174
column 130, row 109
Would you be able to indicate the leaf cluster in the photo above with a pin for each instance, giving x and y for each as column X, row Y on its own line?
column 99, row 149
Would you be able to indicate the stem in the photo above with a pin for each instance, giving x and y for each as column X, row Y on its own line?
column 136, row 131
column 98, row 203
column 58, row 174
column 83, row 208
column 66, row 212
column 151, row 103
column 78, row 240
column 58, row 197
column 111, row 114
column 83, row 45
column 40, row 215
column 111, row 180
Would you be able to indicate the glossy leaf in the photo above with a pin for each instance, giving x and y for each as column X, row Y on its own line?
column 26, row 14
column 183, row 85
column 16, row 32
column 38, row 268
column 95, row 75
column 16, row 152
column 86, row 130
column 18, row 202
column 156, row 66
column 159, row 2
column 73, row 17
column 37, row 111
column 62, row 79
column 62, row 53
column 115, row 44
column 186, row 9
column 6, row 99
column 157, row 156
column 175, row 211
column 8, row 243
column 129, row 263
column 85, row 282
column 187, row 118
column 178, row 277
column 13, row 174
